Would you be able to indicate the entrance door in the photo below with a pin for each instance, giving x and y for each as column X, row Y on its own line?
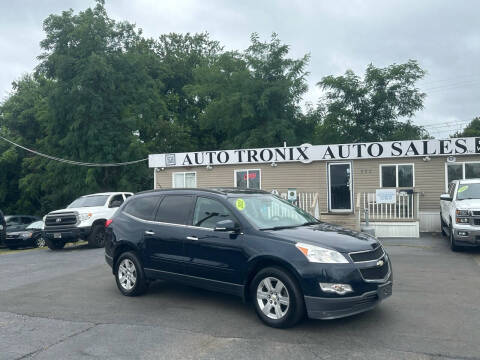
column 340, row 187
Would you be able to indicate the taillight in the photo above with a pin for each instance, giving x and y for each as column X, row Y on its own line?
column 108, row 222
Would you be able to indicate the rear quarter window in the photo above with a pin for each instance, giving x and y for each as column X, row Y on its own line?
column 142, row 207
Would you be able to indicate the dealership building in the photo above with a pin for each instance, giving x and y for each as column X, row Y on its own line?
column 396, row 184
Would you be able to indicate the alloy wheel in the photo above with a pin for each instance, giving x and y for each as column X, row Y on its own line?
column 127, row 274
column 40, row 242
column 273, row 298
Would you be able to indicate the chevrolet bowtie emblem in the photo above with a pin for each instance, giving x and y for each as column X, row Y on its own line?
column 380, row 263
column 58, row 220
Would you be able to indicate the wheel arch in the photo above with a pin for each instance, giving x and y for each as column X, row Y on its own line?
column 122, row 248
column 263, row 261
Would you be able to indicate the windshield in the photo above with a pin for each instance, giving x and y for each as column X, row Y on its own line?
column 468, row 191
column 36, row 225
column 270, row 212
column 89, row 201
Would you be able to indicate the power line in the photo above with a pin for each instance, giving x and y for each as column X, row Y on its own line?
column 72, row 162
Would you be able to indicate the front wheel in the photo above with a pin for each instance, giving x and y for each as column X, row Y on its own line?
column 129, row 275
column 97, row 236
column 277, row 298
column 453, row 243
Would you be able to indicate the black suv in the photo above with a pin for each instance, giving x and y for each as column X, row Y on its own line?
column 251, row 244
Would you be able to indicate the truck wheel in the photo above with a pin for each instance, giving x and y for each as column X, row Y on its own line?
column 442, row 225
column 277, row 298
column 54, row 244
column 97, row 236
column 451, row 238
column 129, row 275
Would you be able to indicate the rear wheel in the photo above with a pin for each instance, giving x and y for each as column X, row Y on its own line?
column 39, row 242
column 277, row 298
column 54, row 244
column 97, row 236
column 129, row 275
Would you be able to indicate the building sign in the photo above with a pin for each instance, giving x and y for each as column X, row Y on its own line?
column 385, row 196
column 307, row 153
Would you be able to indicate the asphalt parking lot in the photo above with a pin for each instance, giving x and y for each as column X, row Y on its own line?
column 65, row 305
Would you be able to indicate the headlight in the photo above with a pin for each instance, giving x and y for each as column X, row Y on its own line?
column 318, row 254
column 26, row 235
column 463, row 212
column 84, row 217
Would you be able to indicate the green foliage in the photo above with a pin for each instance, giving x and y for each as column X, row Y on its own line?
column 471, row 130
column 102, row 92
column 371, row 109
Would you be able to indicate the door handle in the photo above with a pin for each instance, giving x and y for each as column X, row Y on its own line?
column 148, row 232
column 194, row 238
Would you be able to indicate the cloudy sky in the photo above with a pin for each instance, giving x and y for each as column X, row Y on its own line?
column 444, row 36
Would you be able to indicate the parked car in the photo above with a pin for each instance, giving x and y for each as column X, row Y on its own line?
column 3, row 229
column 248, row 243
column 19, row 222
column 460, row 213
column 84, row 219
column 31, row 236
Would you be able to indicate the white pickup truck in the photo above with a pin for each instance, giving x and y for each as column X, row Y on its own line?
column 82, row 219
column 460, row 213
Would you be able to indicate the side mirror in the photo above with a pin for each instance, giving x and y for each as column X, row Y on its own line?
column 226, row 225
column 115, row 204
column 445, row 197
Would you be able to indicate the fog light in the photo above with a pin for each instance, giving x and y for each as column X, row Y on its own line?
column 340, row 289
column 463, row 233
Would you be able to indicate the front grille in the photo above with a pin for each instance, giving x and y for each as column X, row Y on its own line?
column 368, row 255
column 376, row 272
column 61, row 219
column 476, row 213
column 476, row 221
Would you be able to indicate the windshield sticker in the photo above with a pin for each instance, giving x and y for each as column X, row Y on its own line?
column 240, row 204
column 463, row 188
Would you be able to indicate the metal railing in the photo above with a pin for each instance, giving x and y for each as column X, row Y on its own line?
column 404, row 208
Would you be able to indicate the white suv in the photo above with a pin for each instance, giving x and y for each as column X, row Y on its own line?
column 460, row 213
column 82, row 219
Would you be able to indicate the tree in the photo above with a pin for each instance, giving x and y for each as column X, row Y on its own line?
column 371, row 109
column 471, row 130
column 252, row 97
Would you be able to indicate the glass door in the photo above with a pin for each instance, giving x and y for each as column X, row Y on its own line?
column 340, row 187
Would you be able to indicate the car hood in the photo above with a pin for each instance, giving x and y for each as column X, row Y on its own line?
column 327, row 235
column 80, row 210
column 468, row 204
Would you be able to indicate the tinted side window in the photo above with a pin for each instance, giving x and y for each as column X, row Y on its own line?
column 208, row 212
column 26, row 220
column 143, row 207
column 117, row 200
column 175, row 209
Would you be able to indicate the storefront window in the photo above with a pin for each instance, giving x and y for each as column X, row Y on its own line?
column 184, row 180
column 397, row 175
column 247, row 179
column 462, row 170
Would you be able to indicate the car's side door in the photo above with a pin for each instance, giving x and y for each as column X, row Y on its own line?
column 164, row 238
column 215, row 255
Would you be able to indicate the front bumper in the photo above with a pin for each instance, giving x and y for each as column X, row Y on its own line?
column 66, row 234
column 334, row 308
column 471, row 239
column 17, row 241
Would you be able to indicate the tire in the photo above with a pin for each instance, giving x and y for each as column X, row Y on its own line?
column 442, row 225
column 96, row 238
column 39, row 242
column 129, row 275
column 451, row 238
column 277, row 298
column 54, row 244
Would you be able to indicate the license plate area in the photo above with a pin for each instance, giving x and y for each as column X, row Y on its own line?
column 57, row 235
column 385, row 290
